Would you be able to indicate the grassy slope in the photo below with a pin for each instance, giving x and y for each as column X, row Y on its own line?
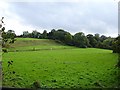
column 63, row 68
column 30, row 44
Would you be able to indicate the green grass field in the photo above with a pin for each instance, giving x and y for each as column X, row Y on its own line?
column 31, row 44
column 62, row 67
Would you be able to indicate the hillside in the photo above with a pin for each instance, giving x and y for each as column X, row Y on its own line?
column 55, row 65
column 36, row 44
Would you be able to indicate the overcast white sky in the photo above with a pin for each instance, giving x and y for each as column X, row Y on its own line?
column 88, row 16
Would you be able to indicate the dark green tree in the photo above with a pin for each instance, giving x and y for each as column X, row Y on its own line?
column 92, row 40
column 80, row 40
column 97, row 38
column 25, row 34
column 51, row 35
column 44, row 34
column 11, row 35
column 107, row 43
column 59, row 35
column 102, row 38
column 116, row 45
column 68, row 39
column 35, row 34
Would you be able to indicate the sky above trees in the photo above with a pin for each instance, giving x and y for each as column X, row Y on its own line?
column 88, row 16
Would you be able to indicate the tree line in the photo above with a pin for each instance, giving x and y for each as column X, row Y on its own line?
column 79, row 39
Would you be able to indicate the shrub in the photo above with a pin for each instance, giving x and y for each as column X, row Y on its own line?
column 4, row 50
column 36, row 84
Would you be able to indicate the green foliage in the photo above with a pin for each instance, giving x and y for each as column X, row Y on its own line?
column 4, row 50
column 102, row 38
column 36, row 85
column 44, row 35
column 68, row 39
column 77, row 40
column 51, row 35
column 9, row 72
column 7, row 37
column 92, row 40
column 118, row 63
column 107, row 43
column 80, row 40
column 25, row 33
column 116, row 45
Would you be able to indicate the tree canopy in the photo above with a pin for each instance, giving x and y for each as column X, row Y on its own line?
column 78, row 39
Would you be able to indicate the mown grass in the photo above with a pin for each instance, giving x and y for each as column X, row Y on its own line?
column 65, row 68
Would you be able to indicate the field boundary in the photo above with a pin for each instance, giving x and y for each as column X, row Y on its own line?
column 39, row 49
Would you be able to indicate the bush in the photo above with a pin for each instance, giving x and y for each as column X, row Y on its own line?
column 4, row 50
column 36, row 85
column 118, row 63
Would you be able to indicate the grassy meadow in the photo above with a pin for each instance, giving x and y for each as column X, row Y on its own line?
column 31, row 44
column 54, row 65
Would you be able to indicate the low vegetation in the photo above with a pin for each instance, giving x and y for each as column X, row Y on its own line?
column 79, row 39
column 61, row 68
column 46, row 61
